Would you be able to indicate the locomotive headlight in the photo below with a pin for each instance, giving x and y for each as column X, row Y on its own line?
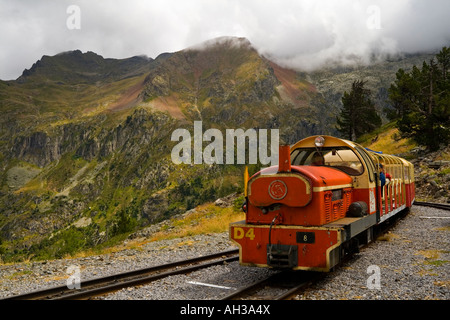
column 319, row 141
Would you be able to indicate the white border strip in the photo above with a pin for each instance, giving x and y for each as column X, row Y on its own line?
column 423, row 217
column 209, row 285
column 342, row 186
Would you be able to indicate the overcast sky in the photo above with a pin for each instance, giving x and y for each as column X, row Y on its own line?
column 302, row 34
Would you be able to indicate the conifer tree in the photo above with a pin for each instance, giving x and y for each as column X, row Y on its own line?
column 421, row 101
column 358, row 115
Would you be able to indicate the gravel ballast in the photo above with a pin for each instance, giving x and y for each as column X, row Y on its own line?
column 411, row 261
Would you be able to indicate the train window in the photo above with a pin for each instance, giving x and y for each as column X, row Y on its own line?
column 406, row 173
column 299, row 156
column 294, row 155
column 369, row 162
column 342, row 158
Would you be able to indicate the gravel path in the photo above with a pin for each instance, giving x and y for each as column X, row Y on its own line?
column 412, row 260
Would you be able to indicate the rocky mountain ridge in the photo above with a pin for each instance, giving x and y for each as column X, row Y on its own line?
column 75, row 67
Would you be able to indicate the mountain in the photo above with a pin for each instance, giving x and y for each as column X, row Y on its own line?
column 75, row 67
column 85, row 142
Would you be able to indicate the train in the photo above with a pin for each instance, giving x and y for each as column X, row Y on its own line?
column 325, row 198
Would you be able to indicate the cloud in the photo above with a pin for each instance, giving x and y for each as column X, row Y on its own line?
column 313, row 33
column 300, row 34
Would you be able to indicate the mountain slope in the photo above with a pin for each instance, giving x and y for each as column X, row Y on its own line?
column 224, row 82
column 86, row 141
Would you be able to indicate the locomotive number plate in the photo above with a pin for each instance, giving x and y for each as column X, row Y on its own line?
column 306, row 237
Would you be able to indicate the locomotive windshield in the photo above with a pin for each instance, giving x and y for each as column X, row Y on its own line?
column 342, row 158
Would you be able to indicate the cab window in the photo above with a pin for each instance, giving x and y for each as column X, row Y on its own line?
column 342, row 158
column 368, row 161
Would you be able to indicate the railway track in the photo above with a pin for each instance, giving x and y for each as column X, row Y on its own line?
column 280, row 286
column 103, row 285
column 277, row 287
column 433, row 205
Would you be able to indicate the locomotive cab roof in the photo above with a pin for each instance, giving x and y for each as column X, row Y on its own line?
column 328, row 141
column 349, row 156
column 338, row 153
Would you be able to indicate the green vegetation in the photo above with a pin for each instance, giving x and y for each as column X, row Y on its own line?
column 421, row 101
column 358, row 115
column 388, row 140
column 207, row 218
column 431, row 257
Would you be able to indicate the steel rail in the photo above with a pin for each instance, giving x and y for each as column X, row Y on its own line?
column 282, row 280
column 433, row 205
column 308, row 281
column 116, row 282
column 247, row 289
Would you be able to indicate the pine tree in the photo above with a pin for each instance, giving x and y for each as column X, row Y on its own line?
column 421, row 101
column 358, row 115
column 443, row 58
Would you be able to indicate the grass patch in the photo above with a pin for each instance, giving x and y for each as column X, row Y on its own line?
column 21, row 174
column 388, row 237
column 436, row 262
column 207, row 218
column 432, row 257
column 387, row 139
column 445, row 228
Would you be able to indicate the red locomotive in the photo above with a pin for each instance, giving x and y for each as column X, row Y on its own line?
column 324, row 197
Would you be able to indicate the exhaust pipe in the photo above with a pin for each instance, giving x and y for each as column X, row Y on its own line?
column 284, row 160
